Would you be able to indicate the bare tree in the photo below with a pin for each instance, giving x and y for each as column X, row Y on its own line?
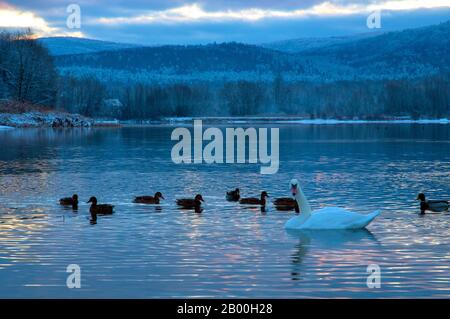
column 26, row 69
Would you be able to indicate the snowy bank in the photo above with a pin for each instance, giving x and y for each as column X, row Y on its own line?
column 44, row 119
column 3, row 128
column 294, row 120
column 393, row 121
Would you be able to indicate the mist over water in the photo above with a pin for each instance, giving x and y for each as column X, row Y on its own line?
column 227, row 250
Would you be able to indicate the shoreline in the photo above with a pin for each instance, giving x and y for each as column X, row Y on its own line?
column 41, row 119
column 65, row 120
column 269, row 120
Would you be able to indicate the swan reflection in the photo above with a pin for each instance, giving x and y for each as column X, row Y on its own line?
column 324, row 240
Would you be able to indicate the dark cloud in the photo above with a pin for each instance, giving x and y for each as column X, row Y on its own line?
column 137, row 5
column 262, row 31
column 265, row 30
column 264, row 4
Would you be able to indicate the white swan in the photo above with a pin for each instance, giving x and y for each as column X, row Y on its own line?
column 325, row 218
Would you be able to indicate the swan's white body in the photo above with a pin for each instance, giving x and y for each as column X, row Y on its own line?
column 326, row 218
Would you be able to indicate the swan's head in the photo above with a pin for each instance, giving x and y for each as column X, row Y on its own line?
column 294, row 186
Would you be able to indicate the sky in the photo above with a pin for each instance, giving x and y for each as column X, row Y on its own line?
column 154, row 22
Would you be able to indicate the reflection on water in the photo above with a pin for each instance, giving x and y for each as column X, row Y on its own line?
column 226, row 250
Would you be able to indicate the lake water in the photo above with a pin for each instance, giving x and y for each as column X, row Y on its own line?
column 227, row 250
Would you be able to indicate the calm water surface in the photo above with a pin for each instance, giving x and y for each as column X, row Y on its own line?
column 227, row 250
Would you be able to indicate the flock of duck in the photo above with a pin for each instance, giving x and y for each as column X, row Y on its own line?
column 324, row 218
column 282, row 204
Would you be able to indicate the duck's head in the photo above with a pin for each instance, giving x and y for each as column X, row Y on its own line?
column 294, row 186
column 421, row 197
column 237, row 191
column 159, row 195
column 75, row 197
column 199, row 198
column 92, row 200
column 264, row 195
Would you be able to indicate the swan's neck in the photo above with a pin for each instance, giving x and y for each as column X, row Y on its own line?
column 302, row 202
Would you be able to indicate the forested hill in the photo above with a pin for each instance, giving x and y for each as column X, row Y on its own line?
column 185, row 59
column 72, row 45
column 370, row 77
column 304, row 44
column 407, row 54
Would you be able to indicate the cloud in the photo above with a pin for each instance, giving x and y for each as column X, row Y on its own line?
column 196, row 12
column 203, row 21
column 13, row 18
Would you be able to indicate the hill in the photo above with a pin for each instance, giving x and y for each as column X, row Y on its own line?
column 406, row 54
column 72, row 45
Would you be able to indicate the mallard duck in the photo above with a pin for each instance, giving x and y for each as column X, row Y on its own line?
column 234, row 196
column 286, row 204
column 70, row 201
column 432, row 205
column 255, row 201
column 149, row 199
column 191, row 203
column 103, row 209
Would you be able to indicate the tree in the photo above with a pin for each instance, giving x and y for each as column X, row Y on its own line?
column 27, row 71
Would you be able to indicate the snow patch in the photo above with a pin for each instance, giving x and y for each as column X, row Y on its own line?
column 43, row 119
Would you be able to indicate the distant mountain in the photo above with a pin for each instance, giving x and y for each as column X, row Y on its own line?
column 213, row 62
column 71, row 45
column 407, row 54
column 304, row 44
column 184, row 59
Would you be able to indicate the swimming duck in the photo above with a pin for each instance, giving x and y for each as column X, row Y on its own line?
column 432, row 205
column 234, row 196
column 190, row 203
column 103, row 209
column 255, row 201
column 149, row 199
column 286, row 204
column 70, row 201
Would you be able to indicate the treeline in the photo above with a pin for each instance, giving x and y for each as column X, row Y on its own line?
column 28, row 75
column 425, row 97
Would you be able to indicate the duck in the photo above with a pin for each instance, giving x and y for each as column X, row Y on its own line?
column 328, row 218
column 234, row 196
column 191, row 203
column 436, row 206
column 286, row 204
column 70, row 201
column 255, row 201
column 103, row 209
column 149, row 199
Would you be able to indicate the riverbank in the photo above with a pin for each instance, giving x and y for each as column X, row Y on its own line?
column 36, row 119
column 44, row 119
column 275, row 120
